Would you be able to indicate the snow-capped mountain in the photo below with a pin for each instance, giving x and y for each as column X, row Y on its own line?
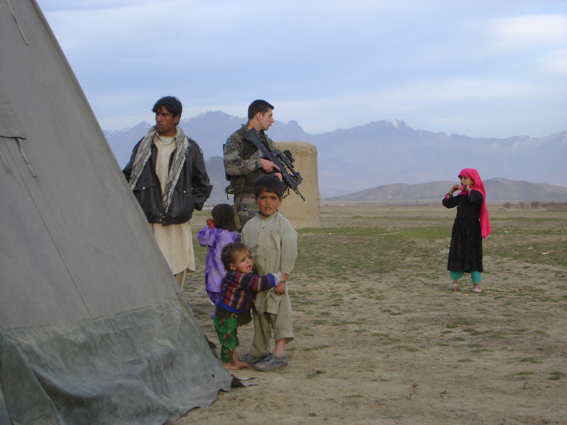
column 384, row 152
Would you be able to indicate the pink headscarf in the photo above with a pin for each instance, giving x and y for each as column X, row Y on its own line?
column 471, row 173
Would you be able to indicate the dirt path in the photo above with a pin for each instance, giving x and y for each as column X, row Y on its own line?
column 391, row 347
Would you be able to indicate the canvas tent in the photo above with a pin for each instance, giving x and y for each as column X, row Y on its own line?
column 93, row 326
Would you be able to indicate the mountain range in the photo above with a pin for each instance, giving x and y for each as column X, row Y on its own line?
column 382, row 153
column 498, row 189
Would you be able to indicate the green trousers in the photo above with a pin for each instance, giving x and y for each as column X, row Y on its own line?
column 475, row 276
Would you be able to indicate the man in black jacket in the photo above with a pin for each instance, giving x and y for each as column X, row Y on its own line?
column 168, row 176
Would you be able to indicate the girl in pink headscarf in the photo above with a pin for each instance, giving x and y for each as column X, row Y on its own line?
column 471, row 226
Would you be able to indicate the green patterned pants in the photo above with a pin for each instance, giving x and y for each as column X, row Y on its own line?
column 226, row 331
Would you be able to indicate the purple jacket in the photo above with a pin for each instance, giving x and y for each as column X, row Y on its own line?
column 215, row 240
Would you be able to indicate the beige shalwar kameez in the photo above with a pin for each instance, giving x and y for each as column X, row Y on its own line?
column 174, row 240
column 273, row 245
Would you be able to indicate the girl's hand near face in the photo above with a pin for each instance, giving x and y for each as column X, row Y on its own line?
column 454, row 189
column 467, row 183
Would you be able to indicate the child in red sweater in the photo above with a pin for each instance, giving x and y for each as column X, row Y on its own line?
column 238, row 289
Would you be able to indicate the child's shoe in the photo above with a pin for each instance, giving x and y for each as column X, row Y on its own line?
column 252, row 359
column 271, row 362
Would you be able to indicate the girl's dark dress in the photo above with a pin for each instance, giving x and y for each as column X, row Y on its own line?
column 465, row 253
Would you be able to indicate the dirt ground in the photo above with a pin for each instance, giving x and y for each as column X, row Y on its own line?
column 385, row 340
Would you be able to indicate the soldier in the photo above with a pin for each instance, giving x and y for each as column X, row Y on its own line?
column 243, row 162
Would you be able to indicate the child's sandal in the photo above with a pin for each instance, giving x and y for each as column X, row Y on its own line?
column 455, row 287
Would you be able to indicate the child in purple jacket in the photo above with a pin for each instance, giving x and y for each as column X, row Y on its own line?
column 219, row 232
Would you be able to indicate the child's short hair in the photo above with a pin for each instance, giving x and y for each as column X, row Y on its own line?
column 269, row 183
column 223, row 217
column 230, row 251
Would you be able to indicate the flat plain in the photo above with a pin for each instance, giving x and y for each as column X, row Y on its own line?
column 381, row 339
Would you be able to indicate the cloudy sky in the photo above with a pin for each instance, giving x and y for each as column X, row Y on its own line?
column 480, row 68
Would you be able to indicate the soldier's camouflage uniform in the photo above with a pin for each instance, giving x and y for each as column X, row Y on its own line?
column 243, row 167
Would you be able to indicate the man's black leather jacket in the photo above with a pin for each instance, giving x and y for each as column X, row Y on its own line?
column 192, row 189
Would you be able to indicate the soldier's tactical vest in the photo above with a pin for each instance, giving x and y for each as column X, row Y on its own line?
column 239, row 184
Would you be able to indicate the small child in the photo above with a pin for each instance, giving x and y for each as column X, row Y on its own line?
column 273, row 245
column 219, row 232
column 237, row 293
column 472, row 224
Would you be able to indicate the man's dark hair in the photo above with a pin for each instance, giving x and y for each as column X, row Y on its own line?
column 172, row 104
column 258, row 106
column 269, row 183
column 229, row 253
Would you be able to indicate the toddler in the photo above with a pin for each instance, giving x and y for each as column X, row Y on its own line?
column 238, row 288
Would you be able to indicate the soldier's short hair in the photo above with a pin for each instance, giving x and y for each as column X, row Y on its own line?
column 269, row 183
column 258, row 105
column 171, row 103
column 228, row 255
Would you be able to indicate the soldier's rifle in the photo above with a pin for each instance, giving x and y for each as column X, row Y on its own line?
column 283, row 160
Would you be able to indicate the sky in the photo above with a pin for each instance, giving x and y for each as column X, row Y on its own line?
column 479, row 68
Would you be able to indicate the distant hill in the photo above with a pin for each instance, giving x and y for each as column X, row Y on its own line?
column 384, row 152
column 122, row 142
column 497, row 189
column 215, row 169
